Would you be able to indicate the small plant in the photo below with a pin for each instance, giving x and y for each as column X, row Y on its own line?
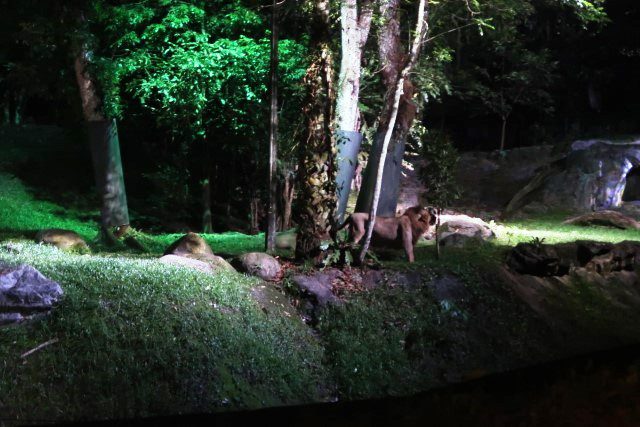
column 537, row 242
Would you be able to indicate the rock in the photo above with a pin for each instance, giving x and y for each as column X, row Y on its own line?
column 217, row 263
column 557, row 260
column 259, row 264
column 24, row 293
column 459, row 230
column 592, row 175
column 190, row 243
column 286, row 240
column 317, row 288
column 62, row 239
column 537, row 260
column 607, row 218
column 182, row 261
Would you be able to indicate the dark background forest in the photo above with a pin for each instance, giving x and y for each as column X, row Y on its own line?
column 581, row 81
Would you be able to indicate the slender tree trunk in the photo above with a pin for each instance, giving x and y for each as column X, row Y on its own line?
column 439, row 212
column 355, row 31
column 287, row 199
column 207, row 225
column 316, row 173
column 421, row 28
column 270, row 236
column 105, row 150
column 392, row 55
column 503, row 132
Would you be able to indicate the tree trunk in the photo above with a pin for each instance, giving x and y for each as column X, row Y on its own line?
column 270, row 236
column 503, row 132
column 207, row 225
column 254, row 227
column 355, row 31
column 105, row 150
column 288, row 184
column 395, row 107
column 316, row 174
column 391, row 54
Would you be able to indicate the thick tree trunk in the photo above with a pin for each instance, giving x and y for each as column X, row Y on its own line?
column 270, row 236
column 105, row 151
column 316, row 174
column 400, row 85
column 391, row 54
column 355, row 31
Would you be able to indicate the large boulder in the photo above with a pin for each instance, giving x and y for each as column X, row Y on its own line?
column 62, row 239
column 189, row 244
column 458, row 230
column 607, row 218
column 591, row 176
column 259, row 264
column 217, row 263
column 25, row 293
column 191, row 263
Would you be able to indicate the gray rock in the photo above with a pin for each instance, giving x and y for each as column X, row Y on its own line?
column 317, row 288
column 259, row 264
column 459, row 230
column 217, row 263
column 25, row 292
column 182, row 261
column 592, row 176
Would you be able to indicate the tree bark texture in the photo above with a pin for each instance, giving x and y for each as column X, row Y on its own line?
column 316, row 174
column 105, row 150
column 393, row 119
column 393, row 56
column 270, row 237
column 355, row 31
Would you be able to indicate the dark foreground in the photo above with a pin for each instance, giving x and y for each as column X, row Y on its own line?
column 600, row 389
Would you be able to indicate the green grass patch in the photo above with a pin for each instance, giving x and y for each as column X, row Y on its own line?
column 137, row 338
column 21, row 215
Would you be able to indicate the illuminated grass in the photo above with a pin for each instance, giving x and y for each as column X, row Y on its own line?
column 137, row 338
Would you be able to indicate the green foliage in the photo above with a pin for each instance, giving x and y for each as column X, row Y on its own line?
column 197, row 66
column 438, row 176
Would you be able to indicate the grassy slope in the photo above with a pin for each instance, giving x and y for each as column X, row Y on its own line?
column 137, row 337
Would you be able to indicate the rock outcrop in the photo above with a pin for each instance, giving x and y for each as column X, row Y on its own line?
column 592, row 176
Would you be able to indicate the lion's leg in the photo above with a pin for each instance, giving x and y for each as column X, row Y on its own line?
column 407, row 238
column 357, row 231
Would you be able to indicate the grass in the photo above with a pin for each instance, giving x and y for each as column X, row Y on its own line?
column 137, row 337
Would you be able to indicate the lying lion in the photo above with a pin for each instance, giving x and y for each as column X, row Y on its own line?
column 396, row 232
